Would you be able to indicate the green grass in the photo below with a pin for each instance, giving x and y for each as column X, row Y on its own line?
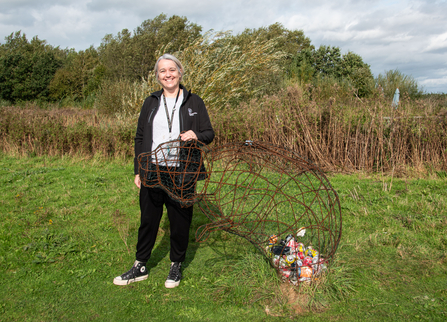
column 68, row 226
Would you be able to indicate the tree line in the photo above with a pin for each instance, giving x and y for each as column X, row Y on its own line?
column 264, row 59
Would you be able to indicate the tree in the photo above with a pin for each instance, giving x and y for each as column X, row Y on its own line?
column 302, row 67
column 222, row 75
column 289, row 41
column 26, row 68
column 79, row 77
column 357, row 73
column 225, row 74
column 132, row 56
column 286, row 43
column 327, row 63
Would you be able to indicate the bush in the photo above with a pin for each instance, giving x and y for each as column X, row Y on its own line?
column 26, row 68
column 393, row 79
column 341, row 132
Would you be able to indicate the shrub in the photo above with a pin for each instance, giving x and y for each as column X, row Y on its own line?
column 26, row 68
column 393, row 79
column 216, row 70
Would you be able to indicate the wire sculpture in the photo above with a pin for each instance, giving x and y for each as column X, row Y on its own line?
column 281, row 203
column 175, row 167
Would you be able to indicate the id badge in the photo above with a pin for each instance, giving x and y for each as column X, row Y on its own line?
column 173, row 148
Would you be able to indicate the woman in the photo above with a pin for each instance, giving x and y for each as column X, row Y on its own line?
column 166, row 115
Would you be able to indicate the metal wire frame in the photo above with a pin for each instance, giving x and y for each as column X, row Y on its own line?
column 175, row 166
column 255, row 190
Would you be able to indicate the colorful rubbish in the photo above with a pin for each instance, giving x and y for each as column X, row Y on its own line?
column 295, row 262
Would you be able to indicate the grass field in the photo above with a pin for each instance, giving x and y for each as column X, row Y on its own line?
column 69, row 225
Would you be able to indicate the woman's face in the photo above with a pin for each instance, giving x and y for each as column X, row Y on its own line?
column 168, row 74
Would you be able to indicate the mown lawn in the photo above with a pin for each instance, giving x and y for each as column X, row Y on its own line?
column 69, row 225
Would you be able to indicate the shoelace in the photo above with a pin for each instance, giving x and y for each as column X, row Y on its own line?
column 174, row 271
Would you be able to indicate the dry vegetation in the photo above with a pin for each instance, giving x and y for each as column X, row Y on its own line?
column 339, row 133
column 34, row 131
column 344, row 134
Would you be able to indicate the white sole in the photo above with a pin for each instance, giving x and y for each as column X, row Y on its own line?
column 172, row 284
column 118, row 281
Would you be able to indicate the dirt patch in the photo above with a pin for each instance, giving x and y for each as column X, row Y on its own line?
column 298, row 302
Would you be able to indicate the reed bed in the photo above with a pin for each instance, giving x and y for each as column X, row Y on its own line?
column 343, row 134
column 58, row 132
column 338, row 133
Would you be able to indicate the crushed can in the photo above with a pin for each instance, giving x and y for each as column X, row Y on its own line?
column 285, row 272
column 288, row 238
column 305, row 272
column 275, row 260
column 282, row 263
column 290, row 259
column 273, row 239
column 307, row 261
column 292, row 244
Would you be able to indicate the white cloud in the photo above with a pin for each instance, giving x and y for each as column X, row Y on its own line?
column 435, row 84
column 437, row 44
column 406, row 34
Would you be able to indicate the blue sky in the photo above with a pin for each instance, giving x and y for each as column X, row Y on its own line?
column 407, row 35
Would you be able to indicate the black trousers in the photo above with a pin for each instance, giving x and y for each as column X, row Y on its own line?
column 151, row 206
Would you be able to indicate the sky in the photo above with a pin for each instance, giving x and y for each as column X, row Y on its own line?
column 407, row 35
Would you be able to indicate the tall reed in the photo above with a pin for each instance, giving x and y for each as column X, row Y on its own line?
column 220, row 73
column 342, row 133
column 68, row 131
column 337, row 132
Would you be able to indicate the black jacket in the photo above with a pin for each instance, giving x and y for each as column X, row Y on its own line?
column 193, row 116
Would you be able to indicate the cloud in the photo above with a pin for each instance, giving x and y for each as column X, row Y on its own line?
column 13, row 6
column 437, row 44
column 406, row 34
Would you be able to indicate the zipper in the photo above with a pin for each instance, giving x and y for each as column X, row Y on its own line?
column 149, row 121
column 180, row 112
column 154, row 110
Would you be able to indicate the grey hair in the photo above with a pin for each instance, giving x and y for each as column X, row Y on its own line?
column 174, row 59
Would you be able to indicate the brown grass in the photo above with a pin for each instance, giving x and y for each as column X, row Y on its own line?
column 35, row 131
column 337, row 132
column 346, row 134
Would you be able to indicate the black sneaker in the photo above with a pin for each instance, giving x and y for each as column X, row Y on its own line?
column 175, row 275
column 137, row 273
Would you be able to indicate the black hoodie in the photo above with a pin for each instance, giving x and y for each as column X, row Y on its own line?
column 193, row 116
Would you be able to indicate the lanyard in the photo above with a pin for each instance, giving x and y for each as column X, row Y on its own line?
column 170, row 120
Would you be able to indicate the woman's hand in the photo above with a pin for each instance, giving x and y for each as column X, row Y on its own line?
column 188, row 135
column 137, row 181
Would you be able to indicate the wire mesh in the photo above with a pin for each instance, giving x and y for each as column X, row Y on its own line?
column 281, row 203
column 175, row 167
